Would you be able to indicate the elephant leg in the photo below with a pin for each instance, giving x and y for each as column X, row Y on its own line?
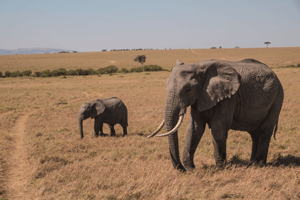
column 195, row 131
column 97, row 128
column 265, row 131
column 263, row 146
column 255, row 141
column 219, row 142
column 101, row 130
column 221, row 119
column 112, row 130
column 124, row 130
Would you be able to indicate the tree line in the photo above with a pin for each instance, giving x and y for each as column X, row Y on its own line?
column 111, row 69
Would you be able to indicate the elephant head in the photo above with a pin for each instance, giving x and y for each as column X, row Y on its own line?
column 202, row 85
column 90, row 109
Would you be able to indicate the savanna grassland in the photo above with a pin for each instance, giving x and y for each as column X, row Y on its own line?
column 43, row 157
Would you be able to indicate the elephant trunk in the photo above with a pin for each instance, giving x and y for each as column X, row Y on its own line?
column 171, row 117
column 80, row 119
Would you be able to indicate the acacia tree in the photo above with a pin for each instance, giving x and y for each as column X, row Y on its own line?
column 140, row 58
column 267, row 43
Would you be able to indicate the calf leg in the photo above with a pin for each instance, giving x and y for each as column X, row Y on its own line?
column 112, row 130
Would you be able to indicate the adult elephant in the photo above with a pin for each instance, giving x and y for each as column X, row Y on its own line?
column 111, row 111
column 241, row 95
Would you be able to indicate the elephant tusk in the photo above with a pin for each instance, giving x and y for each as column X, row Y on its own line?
column 174, row 129
column 157, row 130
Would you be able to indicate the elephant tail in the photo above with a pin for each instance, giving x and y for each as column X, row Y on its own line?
column 275, row 129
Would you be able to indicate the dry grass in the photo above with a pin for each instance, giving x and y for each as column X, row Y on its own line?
column 64, row 167
column 165, row 58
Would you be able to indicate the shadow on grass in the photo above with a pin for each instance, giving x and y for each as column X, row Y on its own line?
column 288, row 160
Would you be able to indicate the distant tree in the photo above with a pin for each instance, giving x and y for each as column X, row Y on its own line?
column 0, row 74
column 140, row 58
column 267, row 43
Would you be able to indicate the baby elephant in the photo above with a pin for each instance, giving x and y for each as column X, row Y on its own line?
column 110, row 111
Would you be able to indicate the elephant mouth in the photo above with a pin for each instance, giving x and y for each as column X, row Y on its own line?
column 168, row 133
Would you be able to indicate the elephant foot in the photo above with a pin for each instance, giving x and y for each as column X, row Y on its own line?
column 113, row 135
column 221, row 164
column 180, row 168
column 103, row 135
column 189, row 167
column 257, row 163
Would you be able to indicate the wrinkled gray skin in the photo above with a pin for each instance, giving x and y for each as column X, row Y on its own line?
column 111, row 111
column 242, row 95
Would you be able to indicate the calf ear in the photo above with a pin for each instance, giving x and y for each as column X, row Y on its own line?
column 221, row 81
column 97, row 109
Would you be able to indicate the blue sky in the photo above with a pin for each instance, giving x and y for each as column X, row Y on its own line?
column 91, row 25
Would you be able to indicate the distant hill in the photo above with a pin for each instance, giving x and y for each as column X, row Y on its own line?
column 32, row 51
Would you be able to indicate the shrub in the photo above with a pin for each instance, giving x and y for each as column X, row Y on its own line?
column 152, row 68
column 124, row 70
column 79, row 71
column 46, row 73
column 26, row 73
column 137, row 69
column 7, row 74
column 71, row 72
column 38, row 74
column 107, row 70
column 290, row 66
column 92, row 71
column 59, row 72
column 16, row 74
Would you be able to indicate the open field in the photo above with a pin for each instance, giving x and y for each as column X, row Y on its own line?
column 42, row 156
column 165, row 58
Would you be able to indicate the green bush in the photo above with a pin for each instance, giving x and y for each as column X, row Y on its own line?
column 16, row 74
column 26, row 73
column 46, row 73
column 38, row 74
column 137, row 69
column 71, row 72
column 59, row 72
column 7, row 74
column 148, row 68
column 124, row 70
column 107, row 70
column 291, row 66
column 63, row 72
column 79, row 71
column 92, row 71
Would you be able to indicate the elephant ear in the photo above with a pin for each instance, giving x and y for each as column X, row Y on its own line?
column 97, row 109
column 178, row 62
column 221, row 81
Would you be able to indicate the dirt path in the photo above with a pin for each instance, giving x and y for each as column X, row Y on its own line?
column 18, row 166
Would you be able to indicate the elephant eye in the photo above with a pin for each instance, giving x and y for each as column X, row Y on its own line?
column 187, row 89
